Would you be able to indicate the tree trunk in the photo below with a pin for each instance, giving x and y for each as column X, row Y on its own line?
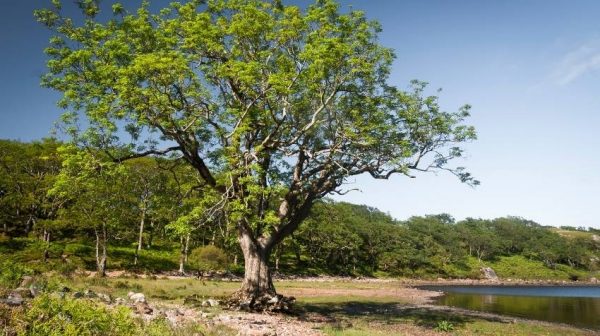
column 257, row 292
column 101, row 251
column 278, row 253
column 46, row 245
column 140, row 238
column 185, row 243
column 29, row 224
column 257, row 275
column 187, row 248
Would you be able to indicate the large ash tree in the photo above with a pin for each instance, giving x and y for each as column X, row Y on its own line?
column 274, row 106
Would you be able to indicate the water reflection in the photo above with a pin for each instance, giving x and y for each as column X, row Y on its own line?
column 577, row 311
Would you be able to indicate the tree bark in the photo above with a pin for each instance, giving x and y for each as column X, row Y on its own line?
column 140, row 238
column 101, row 238
column 183, row 257
column 257, row 275
column 46, row 245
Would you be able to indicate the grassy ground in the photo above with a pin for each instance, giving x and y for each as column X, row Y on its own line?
column 518, row 267
column 573, row 234
column 342, row 308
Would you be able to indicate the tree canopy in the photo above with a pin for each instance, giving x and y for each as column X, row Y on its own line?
column 274, row 106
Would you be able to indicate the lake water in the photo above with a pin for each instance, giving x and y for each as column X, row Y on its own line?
column 574, row 305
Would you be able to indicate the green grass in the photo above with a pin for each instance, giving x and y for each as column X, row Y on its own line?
column 518, row 267
column 573, row 234
column 518, row 329
column 81, row 254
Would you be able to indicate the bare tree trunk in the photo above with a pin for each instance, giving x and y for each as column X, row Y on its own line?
column 278, row 253
column 101, row 238
column 29, row 224
column 181, row 256
column 46, row 245
column 140, row 238
column 187, row 247
column 185, row 243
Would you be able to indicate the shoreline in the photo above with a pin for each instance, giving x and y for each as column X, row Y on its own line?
column 326, row 278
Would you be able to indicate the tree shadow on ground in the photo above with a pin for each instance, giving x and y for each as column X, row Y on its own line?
column 428, row 316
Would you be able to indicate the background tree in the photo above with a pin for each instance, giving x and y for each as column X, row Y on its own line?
column 27, row 172
column 275, row 107
column 99, row 195
column 147, row 181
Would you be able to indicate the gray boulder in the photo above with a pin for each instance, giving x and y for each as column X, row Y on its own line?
column 489, row 274
column 136, row 297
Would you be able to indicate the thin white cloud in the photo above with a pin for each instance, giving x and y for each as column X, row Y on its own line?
column 579, row 62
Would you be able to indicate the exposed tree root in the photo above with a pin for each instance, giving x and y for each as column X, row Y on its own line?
column 268, row 301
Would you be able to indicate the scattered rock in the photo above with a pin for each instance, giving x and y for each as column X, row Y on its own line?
column 210, row 303
column 26, row 281
column 120, row 301
column 105, row 298
column 78, row 295
column 88, row 293
column 136, row 297
column 14, row 299
column 23, row 292
column 593, row 280
column 489, row 274
column 143, row 308
column 35, row 290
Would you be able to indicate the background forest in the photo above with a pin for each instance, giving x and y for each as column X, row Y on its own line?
column 146, row 215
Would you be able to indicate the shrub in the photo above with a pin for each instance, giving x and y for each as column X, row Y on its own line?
column 444, row 326
column 53, row 316
column 12, row 273
column 208, row 258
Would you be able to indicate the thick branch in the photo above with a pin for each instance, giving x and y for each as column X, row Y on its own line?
column 146, row 153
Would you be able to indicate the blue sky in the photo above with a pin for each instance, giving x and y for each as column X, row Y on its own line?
column 530, row 68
